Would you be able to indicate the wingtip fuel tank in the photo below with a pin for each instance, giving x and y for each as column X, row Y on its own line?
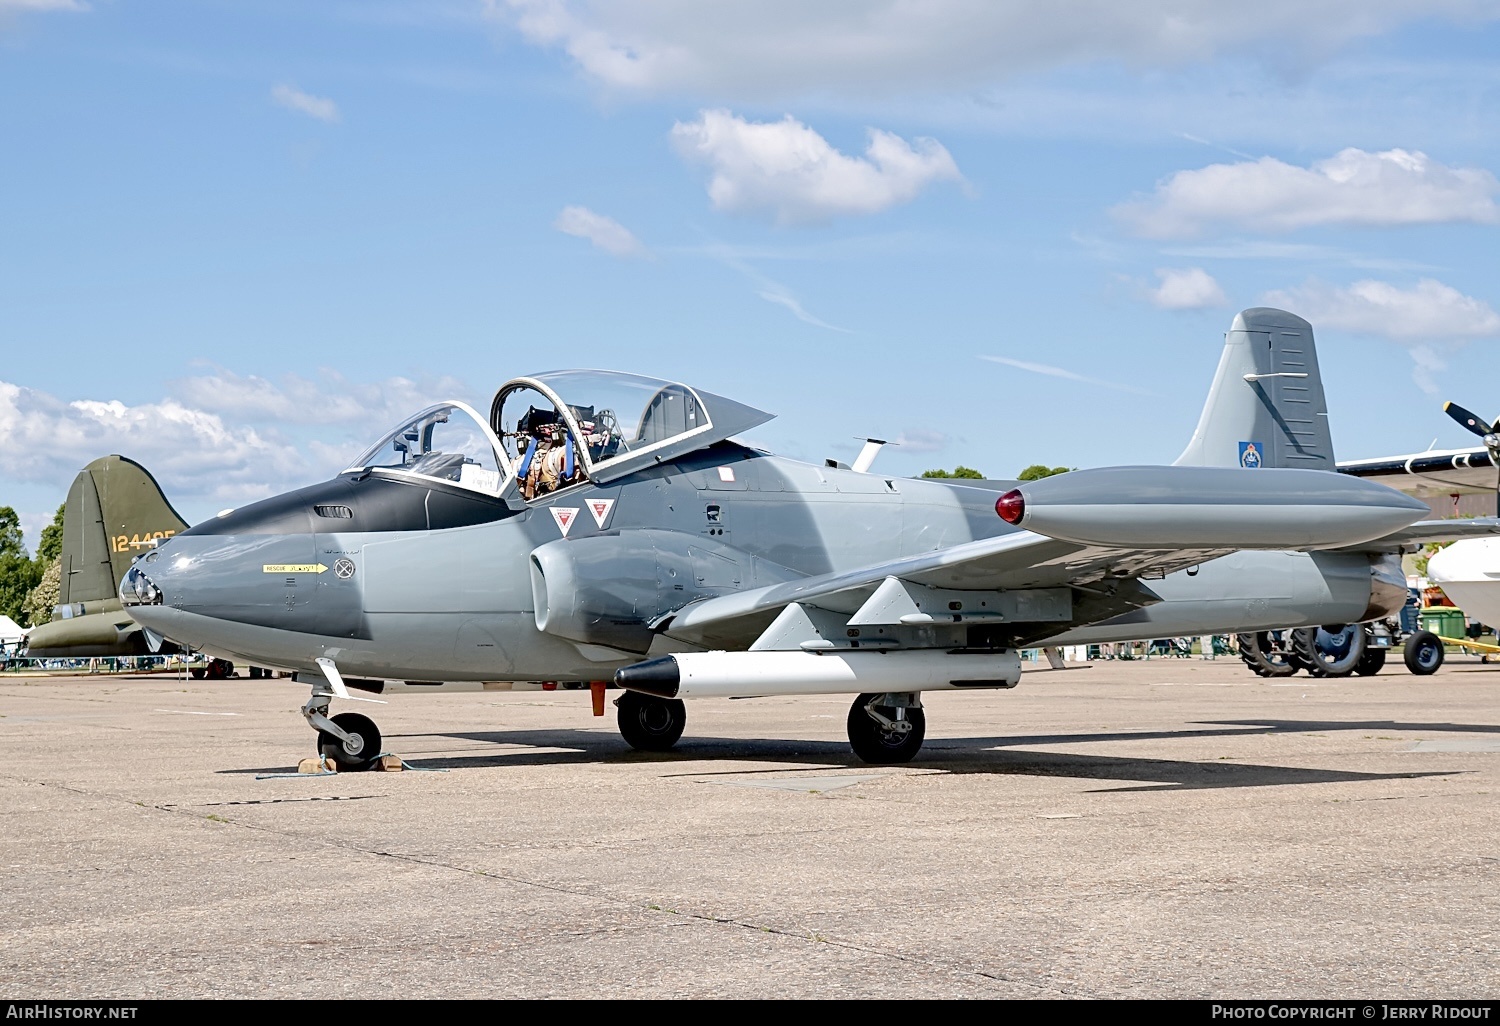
column 1209, row 507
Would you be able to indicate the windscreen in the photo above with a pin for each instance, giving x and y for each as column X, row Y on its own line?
column 448, row 443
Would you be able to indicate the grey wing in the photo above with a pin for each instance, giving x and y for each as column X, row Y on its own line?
column 1006, row 572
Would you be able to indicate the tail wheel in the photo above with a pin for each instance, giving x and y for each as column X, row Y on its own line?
column 1424, row 653
column 1371, row 662
column 879, row 742
column 1268, row 654
column 1333, row 651
column 648, row 723
column 360, row 750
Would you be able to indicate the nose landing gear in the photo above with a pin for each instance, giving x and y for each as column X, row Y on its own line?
column 349, row 739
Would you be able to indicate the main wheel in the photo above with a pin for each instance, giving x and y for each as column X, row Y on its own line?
column 1268, row 654
column 1333, row 651
column 1424, row 653
column 874, row 742
column 648, row 723
column 1370, row 663
column 362, row 747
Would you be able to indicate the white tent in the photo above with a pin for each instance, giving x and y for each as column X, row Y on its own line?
column 10, row 632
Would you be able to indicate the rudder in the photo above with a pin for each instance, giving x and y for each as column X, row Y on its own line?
column 115, row 512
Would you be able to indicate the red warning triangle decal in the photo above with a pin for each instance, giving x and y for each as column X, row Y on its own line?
column 564, row 515
column 600, row 508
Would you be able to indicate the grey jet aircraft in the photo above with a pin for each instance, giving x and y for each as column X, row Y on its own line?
column 599, row 527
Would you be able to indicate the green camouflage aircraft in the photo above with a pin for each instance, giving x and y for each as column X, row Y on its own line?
column 115, row 512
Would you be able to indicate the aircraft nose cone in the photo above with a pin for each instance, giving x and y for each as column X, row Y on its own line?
column 138, row 589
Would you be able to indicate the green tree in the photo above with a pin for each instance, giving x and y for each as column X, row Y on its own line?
column 50, row 547
column 44, row 596
column 12, row 542
column 958, row 471
column 1037, row 471
column 18, row 573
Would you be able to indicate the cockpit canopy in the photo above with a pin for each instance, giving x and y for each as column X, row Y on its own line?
column 558, row 429
column 448, row 442
column 607, row 424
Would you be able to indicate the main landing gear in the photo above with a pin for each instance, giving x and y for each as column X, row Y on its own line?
column 883, row 728
column 648, row 723
column 217, row 669
column 887, row 728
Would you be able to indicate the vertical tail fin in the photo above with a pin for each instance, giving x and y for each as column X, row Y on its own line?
column 115, row 512
column 1266, row 405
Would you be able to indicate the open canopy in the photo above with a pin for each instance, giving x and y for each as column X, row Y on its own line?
column 558, row 429
column 605, row 424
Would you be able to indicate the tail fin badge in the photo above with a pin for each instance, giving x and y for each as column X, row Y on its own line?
column 1250, row 455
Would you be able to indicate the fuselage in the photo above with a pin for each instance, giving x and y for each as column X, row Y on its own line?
column 403, row 578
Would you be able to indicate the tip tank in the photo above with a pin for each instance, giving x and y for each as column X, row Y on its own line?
column 1210, row 507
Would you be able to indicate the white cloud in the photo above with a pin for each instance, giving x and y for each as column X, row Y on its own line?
column 331, row 399
column 1353, row 187
column 43, row 438
column 1426, row 361
column 295, row 99
column 763, row 48
column 251, row 445
column 781, row 297
column 921, row 440
column 1061, row 372
column 1428, row 312
column 1190, row 288
column 1430, row 319
column 790, row 172
column 767, row 289
column 604, row 232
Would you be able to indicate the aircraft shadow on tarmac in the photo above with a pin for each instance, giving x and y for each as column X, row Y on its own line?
column 992, row 755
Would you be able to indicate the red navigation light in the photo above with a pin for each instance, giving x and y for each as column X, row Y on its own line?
column 1011, row 507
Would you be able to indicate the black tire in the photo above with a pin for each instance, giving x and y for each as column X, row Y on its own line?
column 648, row 723
column 1268, row 654
column 198, row 672
column 1424, row 653
column 1371, row 662
column 873, row 743
column 1330, row 651
column 357, row 754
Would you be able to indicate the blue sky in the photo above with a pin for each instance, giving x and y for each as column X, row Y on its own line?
column 238, row 240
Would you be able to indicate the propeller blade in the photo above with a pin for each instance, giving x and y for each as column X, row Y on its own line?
column 1472, row 421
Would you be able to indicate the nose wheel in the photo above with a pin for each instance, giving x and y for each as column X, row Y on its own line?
column 359, row 746
column 352, row 741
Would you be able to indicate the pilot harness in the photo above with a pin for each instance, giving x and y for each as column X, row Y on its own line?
column 547, row 466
